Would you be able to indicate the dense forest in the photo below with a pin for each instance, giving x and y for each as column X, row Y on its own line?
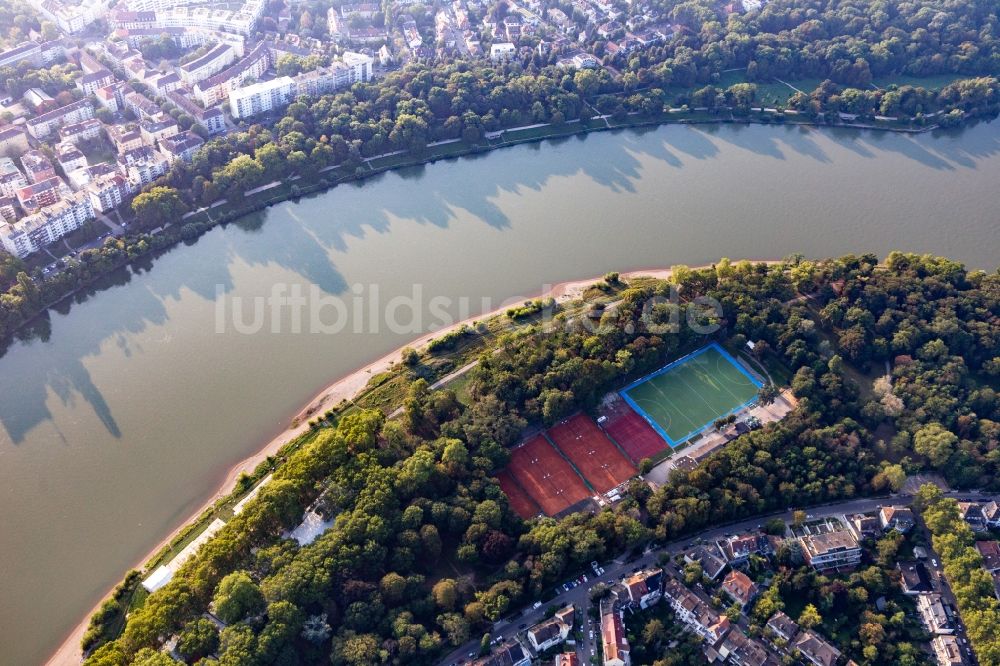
column 425, row 551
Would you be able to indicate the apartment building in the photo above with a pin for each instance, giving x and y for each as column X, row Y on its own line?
column 546, row 635
column 740, row 650
column 8, row 209
column 157, row 127
column 85, row 130
column 140, row 105
column 698, row 615
column 25, row 51
column 213, row 120
column 511, row 653
column 108, row 191
column 262, row 97
column 217, row 88
column 37, row 166
column 213, row 62
column 644, row 588
column 947, row 651
column 167, row 15
column 71, row 18
column 32, row 198
column 934, row 614
column 91, row 83
column 614, row 642
column 41, row 127
column 354, row 68
column 11, row 178
column 143, row 165
column 34, row 232
column 125, row 137
column 70, row 158
column 181, row 146
column 830, row 550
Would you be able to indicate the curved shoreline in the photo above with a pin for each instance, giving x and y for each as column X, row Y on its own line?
column 343, row 388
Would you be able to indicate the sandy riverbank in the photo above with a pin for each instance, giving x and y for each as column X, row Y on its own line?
column 342, row 389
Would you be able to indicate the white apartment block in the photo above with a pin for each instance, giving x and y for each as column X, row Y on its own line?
column 262, row 97
column 70, row 158
column 85, row 130
column 29, row 51
column 133, row 16
column 502, row 51
column 42, row 126
column 11, row 178
column 354, row 68
column 71, row 18
column 217, row 88
column 209, row 64
column 34, row 232
column 144, row 171
column 108, row 191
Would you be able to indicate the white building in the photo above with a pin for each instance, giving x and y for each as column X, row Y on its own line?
column 354, row 68
column 70, row 158
column 108, row 191
column 29, row 51
column 502, row 51
column 552, row 632
column 216, row 88
column 262, row 97
column 166, row 14
column 947, row 651
column 143, row 166
column 11, row 178
column 34, row 232
column 85, row 130
column 71, row 17
column 91, row 83
column 181, row 146
column 209, row 64
column 42, row 126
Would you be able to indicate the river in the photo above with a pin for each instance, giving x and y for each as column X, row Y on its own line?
column 125, row 413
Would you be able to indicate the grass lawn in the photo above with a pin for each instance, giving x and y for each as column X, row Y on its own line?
column 930, row 82
column 97, row 151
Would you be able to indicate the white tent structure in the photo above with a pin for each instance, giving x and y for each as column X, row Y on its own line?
column 164, row 573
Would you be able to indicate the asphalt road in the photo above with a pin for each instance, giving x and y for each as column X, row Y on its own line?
column 616, row 569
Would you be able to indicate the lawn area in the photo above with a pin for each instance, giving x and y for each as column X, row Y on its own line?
column 930, row 82
column 97, row 151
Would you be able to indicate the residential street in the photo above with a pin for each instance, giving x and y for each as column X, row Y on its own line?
column 616, row 569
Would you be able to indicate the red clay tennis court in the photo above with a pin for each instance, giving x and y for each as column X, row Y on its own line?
column 519, row 500
column 631, row 432
column 546, row 476
column 596, row 456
